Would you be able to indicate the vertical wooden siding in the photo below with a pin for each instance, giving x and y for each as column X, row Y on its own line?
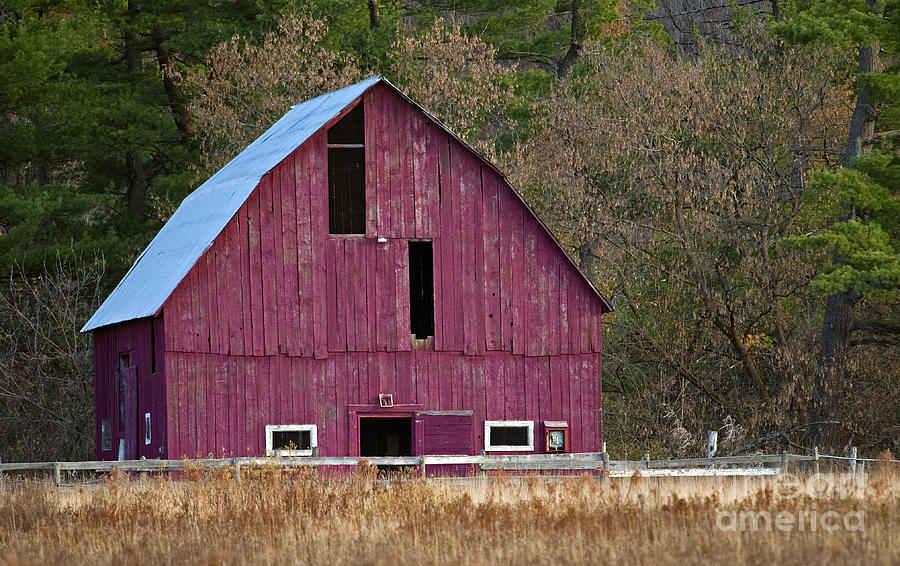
column 132, row 338
column 281, row 323
column 275, row 281
column 222, row 403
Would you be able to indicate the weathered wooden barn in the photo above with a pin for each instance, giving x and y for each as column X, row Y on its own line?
column 357, row 282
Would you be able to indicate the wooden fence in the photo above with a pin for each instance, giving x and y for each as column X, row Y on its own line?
column 729, row 465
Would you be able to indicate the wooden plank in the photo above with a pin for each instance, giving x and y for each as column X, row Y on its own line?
column 256, row 274
column 405, row 391
column 392, row 139
column 250, row 402
column 490, row 243
column 232, row 298
column 372, row 377
column 335, row 313
column 383, row 185
column 559, row 370
column 596, row 326
column 212, row 401
column 532, row 302
column 448, row 331
column 443, row 369
column 537, row 377
column 407, row 164
column 552, row 303
column 341, row 389
column 403, row 325
column 574, row 310
column 318, row 233
column 419, row 190
column 477, row 244
column 505, row 235
column 305, row 282
column 276, row 268
column 328, row 432
column 224, row 442
column 521, row 279
column 563, row 291
column 243, row 256
column 585, row 300
column 291, row 291
column 269, row 280
column 370, row 252
column 575, row 408
column 350, row 295
column 187, row 431
column 194, row 339
column 371, row 127
column 431, row 180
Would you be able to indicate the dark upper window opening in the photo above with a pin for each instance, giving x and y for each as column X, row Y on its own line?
column 350, row 129
column 421, row 289
column 347, row 175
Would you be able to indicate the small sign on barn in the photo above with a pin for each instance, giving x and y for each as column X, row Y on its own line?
column 357, row 282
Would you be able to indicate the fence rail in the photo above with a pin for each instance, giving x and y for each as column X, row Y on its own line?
column 597, row 461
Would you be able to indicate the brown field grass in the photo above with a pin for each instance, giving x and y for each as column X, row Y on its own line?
column 274, row 517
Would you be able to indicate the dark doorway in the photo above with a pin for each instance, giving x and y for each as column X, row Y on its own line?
column 421, row 289
column 385, row 436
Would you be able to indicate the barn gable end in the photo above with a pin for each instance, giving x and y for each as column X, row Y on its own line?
column 276, row 321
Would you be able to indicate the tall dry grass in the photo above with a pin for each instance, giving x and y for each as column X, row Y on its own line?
column 273, row 517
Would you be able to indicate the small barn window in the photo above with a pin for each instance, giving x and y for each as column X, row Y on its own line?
column 148, row 437
column 291, row 440
column 347, row 175
column 105, row 435
column 421, row 290
column 509, row 436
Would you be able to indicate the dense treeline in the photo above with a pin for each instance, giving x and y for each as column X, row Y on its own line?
column 739, row 204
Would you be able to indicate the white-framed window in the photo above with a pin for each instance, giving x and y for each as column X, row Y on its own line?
column 509, row 436
column 291, row 440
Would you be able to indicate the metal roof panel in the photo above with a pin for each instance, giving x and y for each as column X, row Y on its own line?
column 204, row 213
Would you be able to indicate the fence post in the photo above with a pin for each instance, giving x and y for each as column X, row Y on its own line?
column 56, row 474
column 852, row 464
column 422, row 466
column 647, row 460
column 784, row 462
column 237, row 469
column 712, row 443
column 816, row 461
column 604, row 461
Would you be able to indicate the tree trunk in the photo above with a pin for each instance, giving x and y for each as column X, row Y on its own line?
column 374, row 17
column 839, row 306
column 134, row 162
column 575, row 37
column 184, row 120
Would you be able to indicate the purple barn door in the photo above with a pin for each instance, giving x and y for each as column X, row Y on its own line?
column 447, row 433
column 128, row 417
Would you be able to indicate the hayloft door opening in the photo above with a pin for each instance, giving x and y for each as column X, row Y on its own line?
column 346, row 174
column 385, row 436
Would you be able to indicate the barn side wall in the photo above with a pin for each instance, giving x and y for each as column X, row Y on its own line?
column 221, row 404
column 110, row 344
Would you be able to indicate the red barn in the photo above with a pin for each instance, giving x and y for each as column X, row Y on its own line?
column 357, row 282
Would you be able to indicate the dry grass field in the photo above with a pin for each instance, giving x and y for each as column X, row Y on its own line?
column 275, row 517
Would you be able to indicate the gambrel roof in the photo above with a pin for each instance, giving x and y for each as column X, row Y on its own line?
column 203, row 215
